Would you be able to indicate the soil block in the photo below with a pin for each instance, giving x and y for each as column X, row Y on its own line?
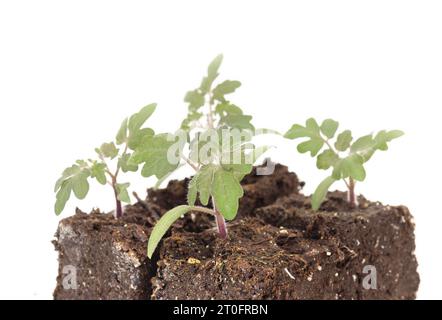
column 278, row 248
column 287, row 251
column 106, row 257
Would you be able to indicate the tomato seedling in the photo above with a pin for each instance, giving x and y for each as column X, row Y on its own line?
column 345, row 157
column 76, row 178
column 215, row 140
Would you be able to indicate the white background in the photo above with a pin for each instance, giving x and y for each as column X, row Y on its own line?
column 70, row 71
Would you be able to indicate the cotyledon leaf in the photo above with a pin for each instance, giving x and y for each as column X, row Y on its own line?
column 163, row 225
column 321, row 192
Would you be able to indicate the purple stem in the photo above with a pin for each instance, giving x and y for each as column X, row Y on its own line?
column 221, row 224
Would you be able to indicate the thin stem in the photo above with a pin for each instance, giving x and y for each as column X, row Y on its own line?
column 351, row 197
column 210, row 114
column 203, row 210
column 221, row 225
column 113, row 183
column 346, row 183
column 190, row 163
column 118, row 207
column 351, row 193
column 329, row 145
column 220, row 222
column 118, row 164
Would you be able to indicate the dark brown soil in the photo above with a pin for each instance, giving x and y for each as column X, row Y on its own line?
column 109, row 255
column 289, row 252
column 259, row 191
column 278, row 248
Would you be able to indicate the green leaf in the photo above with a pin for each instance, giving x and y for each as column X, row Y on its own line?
column 344, row 140
column 191, row 117
column 381, row 141
column 108, row 150
column 212, row 70
column 356, row 168
column 243, row 165
column 137, row 120
column 224, row 88
column 192, row 191
column 74, row 179
column 204, row 181
column 98, row 170
column 226, row 191
column 122, row 193
column 122, row 133
column 383, row 137
column 321, row 192
column 163, row 225
column 62, row 196
column 352, row 166
column 226, row 108
column 311, row 130
column 329, row 128
column 80, row 185
column 204, row 147
column 126, row 165
column 313, row 146
column 136, row 137
column 153, row 152
column 212, row 74
column 394, row 134
column 326, row 159
column 195, row 100
column 363, row 144
column 238, row 121
column 296, row 131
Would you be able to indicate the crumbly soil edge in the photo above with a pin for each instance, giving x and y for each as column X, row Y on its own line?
column 276, row 235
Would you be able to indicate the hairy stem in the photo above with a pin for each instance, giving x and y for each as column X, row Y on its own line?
column 351, row 193
column 203, row 210
column 221, row 225
column 118, row 164
column 351, row 196
column 190, row 163
column 220, row 222
column 118, row 207
column 210, row 114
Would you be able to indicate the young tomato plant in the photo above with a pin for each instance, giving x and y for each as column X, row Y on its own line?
column 214, row 140
column 75, row 178
column 345, row 157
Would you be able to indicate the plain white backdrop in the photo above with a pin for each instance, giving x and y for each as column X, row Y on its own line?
column 70, row 71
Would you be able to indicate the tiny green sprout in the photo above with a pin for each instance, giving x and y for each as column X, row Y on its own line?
column 214, row 140
column 75, row 178
column 345, row 157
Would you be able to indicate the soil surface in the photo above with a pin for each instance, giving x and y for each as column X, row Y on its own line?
column 278, row 248
column 109, row 255
column 287, row 251
column 259, row 191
